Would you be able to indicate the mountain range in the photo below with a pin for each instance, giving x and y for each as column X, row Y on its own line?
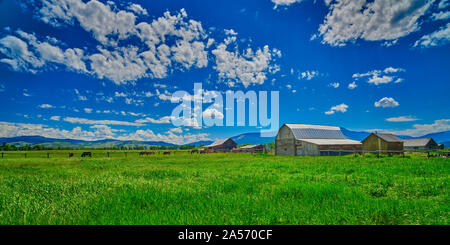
column 246, row 138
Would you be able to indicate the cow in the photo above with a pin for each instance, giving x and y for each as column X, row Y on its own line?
column 166, row 153
column 194, row 151
column 86, row 154
column 146, row 153
column 71, row 154
column 203, row 151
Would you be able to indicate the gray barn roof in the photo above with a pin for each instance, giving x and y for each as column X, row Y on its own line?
column 249, row 146
column 388, row 137
column 219, row 142
column 416, row 142
column 303, row 131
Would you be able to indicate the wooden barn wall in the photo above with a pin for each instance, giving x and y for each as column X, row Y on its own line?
column 285, row 142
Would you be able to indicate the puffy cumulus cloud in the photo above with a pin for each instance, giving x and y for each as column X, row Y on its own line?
column 55, row 118
column 378, row 77
column 441, row 15
column 437, row 38
column 387, row 102
column 137, row 9
column 377, row 20
column 338, row 108
column 402, row 119
column 169, row 136
column 352, row 85
column 98, row 132
column 128, row 49
column 248, row 67
column 25, row 53
column 284, row 2
column 212, row 113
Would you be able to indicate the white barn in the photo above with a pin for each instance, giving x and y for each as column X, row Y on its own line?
column 313, row 140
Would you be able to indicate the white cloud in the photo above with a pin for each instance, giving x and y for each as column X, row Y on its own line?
column 334, row 85
column 338, row 108
column 437, row 38
column 250, row 67
column 386, row 102
column 212, row 113
column 97, row 132
column 137, row 9
column 378, row 77
column 309, row 75
column 88, row 110
column 402, row 119
column 162, row 120
column 46, row 106
column 378, row 20
column 441, row 15
column 421, row 129
column 176, row 130
column 352, row 85
column 55, row 118
column 77, row 120
column 444, row 4
column 284, row 2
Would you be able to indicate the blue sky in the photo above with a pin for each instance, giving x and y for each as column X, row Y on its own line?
column 106, row 69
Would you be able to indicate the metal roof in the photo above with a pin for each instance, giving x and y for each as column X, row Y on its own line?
column 219, row 142
column 332, row 141
column 303, row 131
column 388, row 137
column 249, row 146
column 416, row 142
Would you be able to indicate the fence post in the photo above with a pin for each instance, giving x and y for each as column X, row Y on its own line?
column 125, row 154
column 108, row 154
column 25, row 155
column 48, row 155
column 2, row 155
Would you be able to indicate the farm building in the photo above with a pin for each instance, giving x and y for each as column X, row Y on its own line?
column 222, row 145
column 313, row 140
column 377, row 142
column 250, row 149
column 420, row 144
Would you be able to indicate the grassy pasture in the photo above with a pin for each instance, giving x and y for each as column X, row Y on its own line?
column 224, row 189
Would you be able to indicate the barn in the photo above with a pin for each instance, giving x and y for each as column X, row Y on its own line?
column 250, row 149
column 221, row 145
column 420, row 144
column 313, row 140
column 381, row 142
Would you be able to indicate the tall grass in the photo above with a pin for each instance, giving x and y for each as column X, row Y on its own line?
column 225, row 189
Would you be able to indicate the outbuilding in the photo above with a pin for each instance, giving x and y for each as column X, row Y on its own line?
column 420, row 144
column 313, row 140
column 382, row 143
column 221, row 145
column 250, row 149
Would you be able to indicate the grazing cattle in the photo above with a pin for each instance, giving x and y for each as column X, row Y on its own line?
column 146, row 153
column 194, row 151
column 166, row 153
column 71, row 154
column 86, row 154
column 203, row 151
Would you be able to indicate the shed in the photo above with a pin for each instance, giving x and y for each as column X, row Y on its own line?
column 313, row 140
column 382, row 142
column 420, row 144
column 250, row 149
column 221, row 145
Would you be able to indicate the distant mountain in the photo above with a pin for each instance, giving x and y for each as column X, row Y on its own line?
column 440, row 137
column 199, row 143
column 50, row 142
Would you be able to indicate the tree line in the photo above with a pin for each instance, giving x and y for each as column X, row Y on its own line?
column 11, row 147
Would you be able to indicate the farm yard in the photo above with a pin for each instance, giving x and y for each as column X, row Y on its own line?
column 222, row 188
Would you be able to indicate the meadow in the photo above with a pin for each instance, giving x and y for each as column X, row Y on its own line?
column 240, row 189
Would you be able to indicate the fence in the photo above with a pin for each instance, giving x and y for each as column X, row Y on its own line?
column 429, row 153
column 93, row 154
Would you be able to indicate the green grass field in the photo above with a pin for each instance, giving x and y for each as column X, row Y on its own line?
column 225, row 189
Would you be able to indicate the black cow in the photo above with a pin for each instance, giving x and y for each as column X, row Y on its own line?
column 86, row 154
column 71, row 154
column 166, row 153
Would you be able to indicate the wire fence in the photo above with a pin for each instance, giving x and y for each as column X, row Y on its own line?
column 87, row 154
column 379, row 153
